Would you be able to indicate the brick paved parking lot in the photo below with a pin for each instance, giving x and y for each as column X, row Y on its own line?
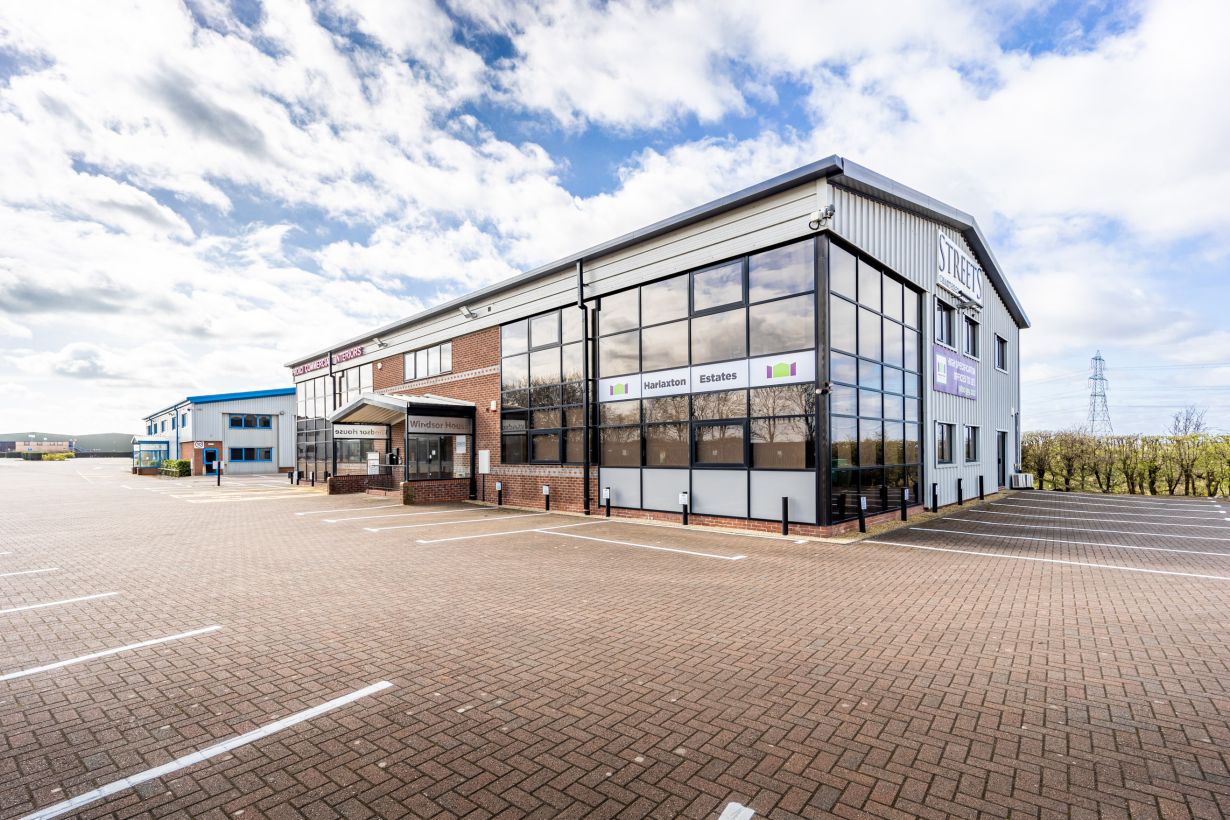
column 171, row 648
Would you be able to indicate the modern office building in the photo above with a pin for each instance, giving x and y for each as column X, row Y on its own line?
column 251, row 432
column 822, row 337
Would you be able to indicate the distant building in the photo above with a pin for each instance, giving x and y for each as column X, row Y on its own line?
column 36, row 445
column 252, row 432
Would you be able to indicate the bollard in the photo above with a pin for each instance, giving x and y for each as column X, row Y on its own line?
column 606, row 500
column 960, row 493
column 683, row 502
column 291, row 476
column 785, row 515
column 935, row 498
column 905, row 503
column 313, row 477
column 546, row 497
column 218, row 470
column 327, row 475
column 499, row 493
column 862, row 513
column 981, row 491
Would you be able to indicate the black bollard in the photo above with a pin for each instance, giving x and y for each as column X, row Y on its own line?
column 841, row 506
column 218, row 471
column 935, row 498
column 785, row 515
column 499, row 493
column 883, row 497
column 862, row 513
column 981, row 490
column 905, row 503
column 606, row 499
column 960, row 493
column 546, row 497
column 683, row 502
column 313, row 477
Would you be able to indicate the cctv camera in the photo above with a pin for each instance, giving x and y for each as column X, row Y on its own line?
column 466, row 312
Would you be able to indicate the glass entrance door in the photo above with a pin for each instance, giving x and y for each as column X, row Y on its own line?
column 430, row 456
column 210, row 457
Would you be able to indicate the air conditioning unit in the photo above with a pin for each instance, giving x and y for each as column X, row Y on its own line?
column 1021, row 481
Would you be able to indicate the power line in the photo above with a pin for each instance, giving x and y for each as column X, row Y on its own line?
column 1099, row 412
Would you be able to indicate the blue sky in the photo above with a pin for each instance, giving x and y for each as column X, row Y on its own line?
column 190, row 195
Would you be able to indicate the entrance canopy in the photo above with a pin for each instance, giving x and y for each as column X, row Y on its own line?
column 378, row 408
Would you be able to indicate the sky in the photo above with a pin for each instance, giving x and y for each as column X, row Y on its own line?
column 193, row 194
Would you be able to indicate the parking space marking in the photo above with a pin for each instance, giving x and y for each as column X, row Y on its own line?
column 736, row 811
column 1104, row 520
column 1090, row 529
column 1098, row 512
column 1115, row 501
column 505, row 532
column 6, row 553
column 201, row 755
column 28, row 572
column 57, row 603
column 1126, row 499
column 350, row 509
column 394, row 515
column 646, row 546
column 1049, row 560
column 664, row 525
column 106, row 653
column 1063, row 541
column 237, row 499
column 458, row 521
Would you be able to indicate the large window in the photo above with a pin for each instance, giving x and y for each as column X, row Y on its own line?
column 875, row 368
column 757, row 305
column 251, row 454
column 430, row 361
column 541, row 367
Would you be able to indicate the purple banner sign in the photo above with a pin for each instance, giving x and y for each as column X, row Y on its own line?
column 954, row 374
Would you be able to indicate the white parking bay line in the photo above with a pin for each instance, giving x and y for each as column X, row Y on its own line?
column 1033, row 499
column 1048, row 560
column 247, row 498
column 1103, row 520
column 1090, row 529
column 28, row 572
column 350, row 509
column 57, row 603
column 201, row 755
column 736, row 811
column 458, row 521
column 1100, row 512
column 393, row 515
column 107, row 652
column 646, row 546
column 504, row 532
column 1063, row 541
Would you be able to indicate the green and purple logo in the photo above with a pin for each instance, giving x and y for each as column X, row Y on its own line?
column 781, row 370
column 620, row 389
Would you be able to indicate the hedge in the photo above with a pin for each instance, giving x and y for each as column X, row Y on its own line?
column 182, row 466
column 57, row 456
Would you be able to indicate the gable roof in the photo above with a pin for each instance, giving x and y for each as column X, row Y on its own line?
column 836, row 169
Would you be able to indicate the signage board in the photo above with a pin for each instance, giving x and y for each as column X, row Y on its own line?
column 360, row 431
column 484, row 462
column 373, row 463
column 957, row 272
column 198, row 445
column 763, row 371
column 438, row 425
column 323, row 361
column 954, row 374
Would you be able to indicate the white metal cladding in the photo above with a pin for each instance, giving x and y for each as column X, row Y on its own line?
column 770, row 221
column 906, row 243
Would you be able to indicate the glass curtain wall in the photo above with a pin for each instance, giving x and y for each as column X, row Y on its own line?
column 756, row 305
column 541, row 415
column 315, row 399
column 875, row 371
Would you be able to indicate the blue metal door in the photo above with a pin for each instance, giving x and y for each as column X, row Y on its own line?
column 211, row 460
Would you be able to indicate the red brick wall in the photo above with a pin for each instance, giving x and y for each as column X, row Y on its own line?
column 436, row 492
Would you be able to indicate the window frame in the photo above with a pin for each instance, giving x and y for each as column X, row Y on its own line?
column 950, row 323
column 974, row 335
column 1001, row 353
column 256, row 424
column 945, row 431
column 972, row 439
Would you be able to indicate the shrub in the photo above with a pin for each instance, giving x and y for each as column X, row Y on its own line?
column 182, row 467
column 57, row 456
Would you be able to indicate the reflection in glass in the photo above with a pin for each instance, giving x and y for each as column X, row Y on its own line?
column 783, row 443
column 718, row 337
column 620, row 446
column 717, row 286
column 844, row 368
column 782, row 271
column 513, row 338
column 869, row 280
column 787, row 400
column 544, row 329
column 787, row 324
column 668, row 408
column 868, row 334
column 842, row 272
column 665, row 300
column 719, row 444
column 842, row 326
column 892, row 298
column 515, row 372
column 845, row 442
column 544, row 366
column 728, row 404
column 574, row 361
column 666, row 445
column 620, row 412
column 619, row 354
column 664, row 346
column 871, row 442
column 544, row 447
column 620, row 311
